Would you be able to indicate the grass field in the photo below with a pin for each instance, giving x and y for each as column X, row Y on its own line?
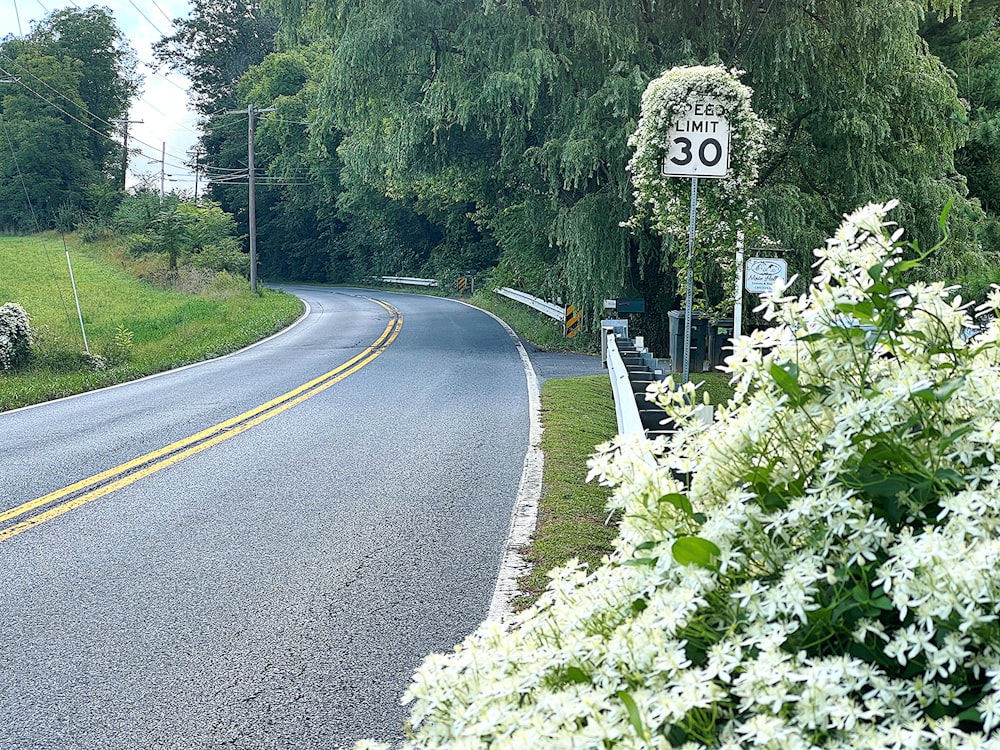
column 165, row 328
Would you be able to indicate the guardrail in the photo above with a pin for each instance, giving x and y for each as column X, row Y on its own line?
column 626, row 408
column 408, row 280
column 632, row 368
column 554, row 311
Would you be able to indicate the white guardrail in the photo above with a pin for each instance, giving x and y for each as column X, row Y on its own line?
column 557, row 312
column 626, row 408
column 408, row 280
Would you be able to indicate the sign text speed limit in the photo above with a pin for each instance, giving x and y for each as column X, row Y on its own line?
column 699, row 142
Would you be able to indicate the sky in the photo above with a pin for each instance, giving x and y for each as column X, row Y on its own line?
column 163, row 105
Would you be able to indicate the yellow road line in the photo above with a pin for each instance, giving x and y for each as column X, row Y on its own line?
column 144, row 466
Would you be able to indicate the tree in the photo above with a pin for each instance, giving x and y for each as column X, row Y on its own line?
column 186, row 232
column 214, row 45
column 517, row 116
column 70, row 78
column 109, row 81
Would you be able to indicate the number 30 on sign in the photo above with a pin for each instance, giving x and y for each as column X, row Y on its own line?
column 699, row 142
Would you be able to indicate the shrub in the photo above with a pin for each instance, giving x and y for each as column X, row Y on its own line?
column 816, row 568
column 15, row 336
column 118, row 350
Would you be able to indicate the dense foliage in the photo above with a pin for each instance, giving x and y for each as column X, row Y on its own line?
column 444, row 137
column 199, row 234
column 441, row 137
column 64, row 85
column 815, row 568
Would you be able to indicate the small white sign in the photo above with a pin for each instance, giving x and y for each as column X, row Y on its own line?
column 762, row 272
column 699, row 142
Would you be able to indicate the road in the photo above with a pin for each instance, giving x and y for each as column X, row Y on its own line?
column 273, row 581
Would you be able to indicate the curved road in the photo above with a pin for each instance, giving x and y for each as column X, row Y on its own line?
column 276, row 587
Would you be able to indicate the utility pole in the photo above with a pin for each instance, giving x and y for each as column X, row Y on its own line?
column 163, row 166
column 252, row 198
column 125, row 123
column 197, row 169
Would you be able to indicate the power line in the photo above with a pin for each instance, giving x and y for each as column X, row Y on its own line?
column 179, row 164
column 139, row 10
column 17, row 15
column 157, row 6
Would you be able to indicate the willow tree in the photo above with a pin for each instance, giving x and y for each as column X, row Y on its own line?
column 517, row 114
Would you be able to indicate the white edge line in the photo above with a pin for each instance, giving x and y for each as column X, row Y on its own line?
column 302, row 317
column 524, row 515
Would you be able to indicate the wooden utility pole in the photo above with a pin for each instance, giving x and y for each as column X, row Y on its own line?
column 125, row 123
column 252, row 198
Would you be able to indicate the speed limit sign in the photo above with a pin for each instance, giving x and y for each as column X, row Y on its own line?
column 699, row 142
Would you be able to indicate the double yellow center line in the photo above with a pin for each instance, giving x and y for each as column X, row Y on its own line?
column 54, row 504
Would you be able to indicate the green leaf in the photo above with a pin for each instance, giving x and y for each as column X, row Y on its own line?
column 577, row 676
column 970, row 714
column 637, row 562
column 943, row 392
column 633, row 714
column 693, row 550
column 787, row 379
column 773, row 501
column 943, row 219
column 679, row 501
column 904, row 266
column 949, row 477
column 948, row 441
column 882, row 602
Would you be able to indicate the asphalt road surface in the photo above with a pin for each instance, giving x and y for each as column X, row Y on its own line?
column 182, row 569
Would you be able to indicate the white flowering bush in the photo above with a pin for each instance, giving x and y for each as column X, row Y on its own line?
column 15, row 335
column 725, row 205
column 819, row 567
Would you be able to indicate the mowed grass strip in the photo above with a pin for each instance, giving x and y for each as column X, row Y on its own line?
column 168, row 328
column 578, row 414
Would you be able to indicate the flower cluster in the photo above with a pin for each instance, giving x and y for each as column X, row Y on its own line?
column 722, row 204
column 15, row 334
column 818, row 567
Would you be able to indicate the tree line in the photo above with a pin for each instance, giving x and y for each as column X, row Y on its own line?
column 441, row 137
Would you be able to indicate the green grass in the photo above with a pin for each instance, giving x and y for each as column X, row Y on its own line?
column 169, row 328
column 539, row 329
column 578, row 414
column 715, row 384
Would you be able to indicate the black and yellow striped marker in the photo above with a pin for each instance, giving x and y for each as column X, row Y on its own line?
column 574, row 317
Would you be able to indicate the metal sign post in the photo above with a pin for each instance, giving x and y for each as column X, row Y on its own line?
column 699, row 147
column 738, row 304
column 689, row 284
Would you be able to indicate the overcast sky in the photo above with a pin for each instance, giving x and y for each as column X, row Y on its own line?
column 163, row 106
